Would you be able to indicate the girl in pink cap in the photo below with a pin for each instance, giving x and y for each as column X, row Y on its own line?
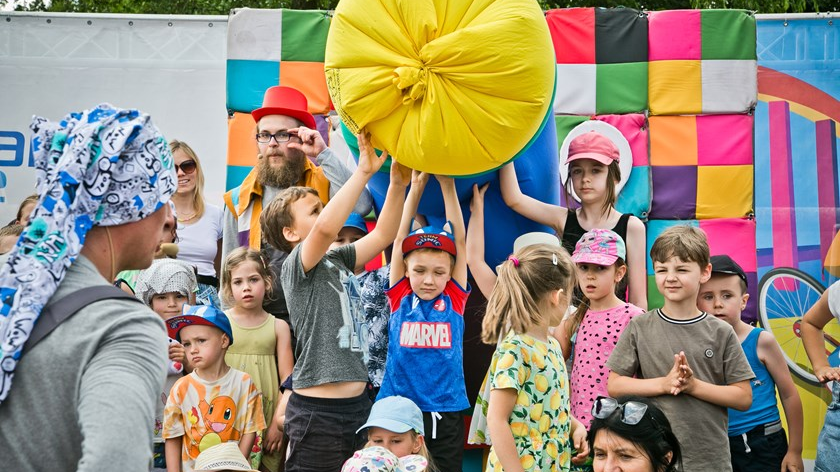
column 593, row 174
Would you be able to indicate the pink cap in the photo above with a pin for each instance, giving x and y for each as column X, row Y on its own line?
column 600, row 247
column 593, row 145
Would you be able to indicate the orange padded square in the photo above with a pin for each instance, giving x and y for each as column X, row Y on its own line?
column 674, row 87
column 309, row 78
column 242, row 145
column 673, row 140
column 724, row 191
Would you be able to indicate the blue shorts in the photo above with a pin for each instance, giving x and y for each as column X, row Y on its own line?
column 828, row 445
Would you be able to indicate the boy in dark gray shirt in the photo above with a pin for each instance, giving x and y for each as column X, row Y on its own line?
column 329, row 402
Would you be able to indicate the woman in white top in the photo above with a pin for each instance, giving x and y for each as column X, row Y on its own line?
column 199, row 224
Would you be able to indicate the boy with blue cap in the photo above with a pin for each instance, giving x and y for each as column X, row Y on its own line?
column 213, row 404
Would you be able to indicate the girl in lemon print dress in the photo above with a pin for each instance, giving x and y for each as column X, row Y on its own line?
column 528, row 413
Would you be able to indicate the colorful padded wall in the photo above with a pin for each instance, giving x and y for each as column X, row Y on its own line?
column 701, row 61
column 601, row 59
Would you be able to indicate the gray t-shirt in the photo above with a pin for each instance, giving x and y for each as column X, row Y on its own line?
column 646, row 350
column 325, row 308
column 84, row 397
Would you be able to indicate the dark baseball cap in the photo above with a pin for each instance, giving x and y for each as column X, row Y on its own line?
column 724, row 264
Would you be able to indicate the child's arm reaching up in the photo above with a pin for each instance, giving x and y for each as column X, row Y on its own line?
column 389, row 219
column 334, row 215
column 483, row 275
column 531, row 208
column 418, row 184
column 459, row 231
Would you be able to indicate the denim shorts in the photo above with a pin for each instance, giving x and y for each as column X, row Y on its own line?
column 828, row 445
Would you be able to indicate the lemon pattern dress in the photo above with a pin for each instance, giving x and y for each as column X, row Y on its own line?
column 540, row 420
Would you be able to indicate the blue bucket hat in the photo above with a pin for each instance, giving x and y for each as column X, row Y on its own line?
column 397, row 414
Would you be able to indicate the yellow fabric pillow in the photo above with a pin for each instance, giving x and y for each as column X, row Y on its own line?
column 446, row 86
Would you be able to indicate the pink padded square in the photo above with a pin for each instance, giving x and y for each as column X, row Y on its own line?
column 724, row 140
column 674, row 35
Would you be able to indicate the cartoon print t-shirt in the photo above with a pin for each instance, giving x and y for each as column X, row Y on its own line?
column 209, row 413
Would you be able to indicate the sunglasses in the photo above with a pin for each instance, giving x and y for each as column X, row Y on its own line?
column 187, row 166
column 631, row 412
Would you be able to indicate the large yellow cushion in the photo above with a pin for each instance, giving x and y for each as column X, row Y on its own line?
column 447, row 86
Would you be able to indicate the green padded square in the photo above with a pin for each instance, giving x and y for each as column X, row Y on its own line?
column 621, row 88
column 728, row 34
column 565, row 124
column 304, row 35
column 655, row 299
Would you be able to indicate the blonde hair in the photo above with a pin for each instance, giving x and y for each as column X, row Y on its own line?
column 278, row 215
column 683, row 241
column 613, row 177
column 424, row 450
column 583, row 303
column 236, row 258
column 198, row 192
column 11, row 230
column 522, row 283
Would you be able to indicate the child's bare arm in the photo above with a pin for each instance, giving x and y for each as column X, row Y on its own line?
column 671, row 384
column 636, row 268
column 456, row 219
column 577, row 434
column 285, row 358
column 483, row 275
column 334, row 215
column 812, row 326
column 172, row 450
column 418, row 184
column 389, row 219
column 737, row 396
column 498, row 417
column 770, row 354
column 529, row 207
column 246, row 443
column 561, row 334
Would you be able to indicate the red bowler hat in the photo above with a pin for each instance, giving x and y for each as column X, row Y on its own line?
column 280, row 100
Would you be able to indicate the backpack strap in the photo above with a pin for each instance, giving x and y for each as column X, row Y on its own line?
column 59, row 311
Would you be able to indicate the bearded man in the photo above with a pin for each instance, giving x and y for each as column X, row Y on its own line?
column 288, row 144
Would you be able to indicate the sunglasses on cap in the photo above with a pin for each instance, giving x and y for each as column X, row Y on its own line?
column 187, row 166
column 631, row 412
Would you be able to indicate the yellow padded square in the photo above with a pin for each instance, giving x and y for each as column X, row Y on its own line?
column 673, row 140
column 724, row 191
column 674, row 88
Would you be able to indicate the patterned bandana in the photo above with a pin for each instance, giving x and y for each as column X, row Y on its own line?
column 164, row 276
column 99, row 167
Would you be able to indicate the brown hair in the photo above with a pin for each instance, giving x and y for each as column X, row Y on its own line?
column 198, row 193
column 236, row 258
column 683, row 241
column 583, row 303
column 524, row 279
column 613, row 177
column 26, row 201
column 11, row 230
column 278, row 215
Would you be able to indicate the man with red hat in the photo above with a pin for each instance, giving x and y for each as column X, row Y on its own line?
column 291, row 152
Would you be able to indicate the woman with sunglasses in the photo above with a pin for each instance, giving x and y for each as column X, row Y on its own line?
column 199, row 223
column 632, row 435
